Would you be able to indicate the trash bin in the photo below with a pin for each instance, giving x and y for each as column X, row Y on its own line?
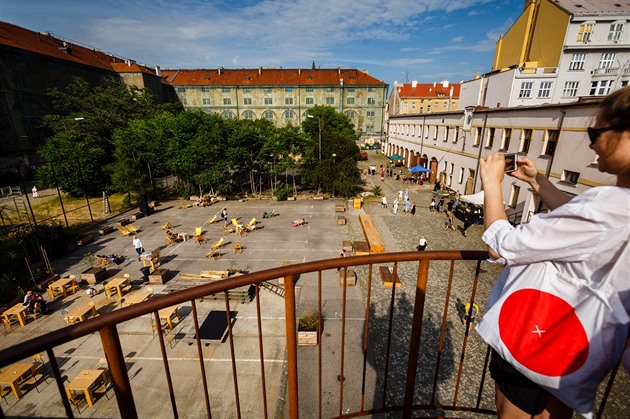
column 146, row 270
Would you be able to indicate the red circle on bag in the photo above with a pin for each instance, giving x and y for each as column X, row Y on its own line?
column 543, row 333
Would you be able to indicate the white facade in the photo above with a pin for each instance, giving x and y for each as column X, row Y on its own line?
column 553, row 137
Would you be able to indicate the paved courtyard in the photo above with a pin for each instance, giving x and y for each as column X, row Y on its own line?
column 278, row 243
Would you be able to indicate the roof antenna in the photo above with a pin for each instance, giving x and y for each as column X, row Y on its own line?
column 313, row 67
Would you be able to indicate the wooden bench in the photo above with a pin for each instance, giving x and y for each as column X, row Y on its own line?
column 361, row 248
column 346, row 245
column 351, row 277
column 340, row 208
column 243, row 294
column 387, row 278
column 372, row 237
column 341, row 220
column 105, row 230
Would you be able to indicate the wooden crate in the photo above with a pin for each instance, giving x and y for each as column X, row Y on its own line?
column 341, row 220
column 387, row 278
column 137, row 216
column 94, row 275
column 159, row 276
column 340, row 208
column 361, row 248
column 105, row 230
column 351, row 277
column 83, row 240
column 346, row 245
column 307, row 338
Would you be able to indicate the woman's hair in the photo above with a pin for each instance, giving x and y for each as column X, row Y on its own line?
column 614, row 110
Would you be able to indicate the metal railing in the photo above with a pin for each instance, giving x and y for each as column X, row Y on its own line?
column 414, row 359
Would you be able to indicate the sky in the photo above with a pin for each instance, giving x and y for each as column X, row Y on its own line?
column 394, row 40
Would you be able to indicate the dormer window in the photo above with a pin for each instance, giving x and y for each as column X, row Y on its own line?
column 585, row 32
column 614, row 34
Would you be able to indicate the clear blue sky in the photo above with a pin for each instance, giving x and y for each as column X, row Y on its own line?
column 424, row 40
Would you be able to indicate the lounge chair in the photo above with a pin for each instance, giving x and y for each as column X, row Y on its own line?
column 124, row 231
column 219, row 244
column 212, row 220
column 167, row 225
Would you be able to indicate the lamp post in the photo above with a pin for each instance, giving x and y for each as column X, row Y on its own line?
column 319, row 130
column 334, row 177
column 79, row 119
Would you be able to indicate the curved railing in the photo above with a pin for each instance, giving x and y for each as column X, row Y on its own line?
column 420, row 385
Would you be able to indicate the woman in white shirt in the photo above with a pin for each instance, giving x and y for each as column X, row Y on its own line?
column 586, row 239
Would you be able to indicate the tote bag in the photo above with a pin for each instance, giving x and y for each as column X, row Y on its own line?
column 565, row 334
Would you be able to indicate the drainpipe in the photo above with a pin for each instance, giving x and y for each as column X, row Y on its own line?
column 483, row 132
column 424, row 120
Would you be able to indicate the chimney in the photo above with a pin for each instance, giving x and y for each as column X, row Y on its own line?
column 299, row 71
column 220, row 70
column 341, row 81
column 158, row 72
column 452, row 89
column 434, row 83
column 339, row 70
column 128, row 62
column 445, row 83
column 414, row 84
column 259, row 71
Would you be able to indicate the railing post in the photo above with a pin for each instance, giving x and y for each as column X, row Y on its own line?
column 118, row 372
column 289, row 308
column 416, row 330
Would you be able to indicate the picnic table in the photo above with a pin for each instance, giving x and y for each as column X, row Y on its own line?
column 15, row 375
column 137, row 297
column 167, row 314
column 60, row 286
column 84, row 382
column 80, row 313
column 116, row 284
column 18, row 310
column 388, row 278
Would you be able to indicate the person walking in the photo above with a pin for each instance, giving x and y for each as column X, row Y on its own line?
column 432, row 205
column 407, row 207
column 450, row 221
column 35, row 193
column 395, row 206
column 137, row 244
column 422, row 244
column 224, row 216
column 565, row 278
column 413, row 209
column 468, row 221
column 382, row 176
column 384, row 202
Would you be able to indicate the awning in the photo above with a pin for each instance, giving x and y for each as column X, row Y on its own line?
column 418, row 168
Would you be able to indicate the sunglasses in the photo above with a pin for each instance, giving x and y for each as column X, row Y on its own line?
column 594, row 133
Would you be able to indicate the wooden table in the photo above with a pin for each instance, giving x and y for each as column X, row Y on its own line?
column 167, row 313
column 388, row 278
column 13, row 377
column 18, row 310
column 59, row 287
column 116, row 283
column 84, row 382
column 137, row 297
column 80, row 313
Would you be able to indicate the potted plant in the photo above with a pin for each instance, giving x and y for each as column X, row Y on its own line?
column 308, row 333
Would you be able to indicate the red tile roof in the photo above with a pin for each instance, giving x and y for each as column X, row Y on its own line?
column 46, row 44
column 427, row 90
column 269, row 77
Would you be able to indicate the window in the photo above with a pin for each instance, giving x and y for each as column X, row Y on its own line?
column 330, row 101
column 526, row 89
column 205, row 101
column 607, row 60
column 435, row 133
column 600, row 88
column 369, row 129
column 288, row 89
column 372, row 101
column 570, row 177
column 614, row 34
column 268, row 115
column 545, row 89
column 456, row 136
column 289, row 114
column 268, row 101
column 490, row 139
column 577, row 61
column 247, row 101
column 227, row 101
column 351, row 89
column 267, row 90
column 446, row 134
column 228, row 114
column 461, row 175
column 552, row 142
column 413, row 104
column 351, row 114
column 184, row 101
column 205, row 89
column 526, row 140
column 370, row 114
column 310, row 100
column 181, row 89
column 371, row 89
column 247, row 89
column 584, row 33
column 505, row 141
column 248, row 115
column 349, row 101
column 426, row 132
column 570, row 88
column 330, row 89
column 452, row 169
column 309, row 89
column 288, row 101
column 477, row 137
column 226, row 89
column 514, row 196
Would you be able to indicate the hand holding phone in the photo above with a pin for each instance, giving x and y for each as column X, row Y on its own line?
column 511, row 162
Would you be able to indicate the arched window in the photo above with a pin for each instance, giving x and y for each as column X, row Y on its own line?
column 248, row 115
column 289, row 114
column 351, row 114
column 269, row 115
column 227, row 114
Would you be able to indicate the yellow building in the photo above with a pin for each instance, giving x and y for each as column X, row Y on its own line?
column 414, row 97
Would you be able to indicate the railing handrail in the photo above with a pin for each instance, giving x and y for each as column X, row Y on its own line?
column 95, row 324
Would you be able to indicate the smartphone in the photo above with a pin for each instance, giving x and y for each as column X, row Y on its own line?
column 511, row 162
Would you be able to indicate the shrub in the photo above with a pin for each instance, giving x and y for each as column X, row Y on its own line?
column 308, row 322
column 377, row 191
column 282, row 192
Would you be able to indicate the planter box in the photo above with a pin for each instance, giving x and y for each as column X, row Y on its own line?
column 94, row 275
column 341, row 220
column 159, row 276
column 318, row 198
column 351, row 278
column 105, row 230
column 82, row 241
column 123, row 222
column 340, row 208
column 137, row 216
column 307, row 338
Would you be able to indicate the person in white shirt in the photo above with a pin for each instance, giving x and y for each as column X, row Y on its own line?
column 137, row 244
column 586, row 239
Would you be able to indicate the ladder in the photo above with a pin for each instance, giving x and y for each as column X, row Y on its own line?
column 272, row 288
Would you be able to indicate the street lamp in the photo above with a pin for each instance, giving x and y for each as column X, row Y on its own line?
column 319, row 126
column 334, row 155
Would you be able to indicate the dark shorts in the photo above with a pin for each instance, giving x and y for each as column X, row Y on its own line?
column 518, row 389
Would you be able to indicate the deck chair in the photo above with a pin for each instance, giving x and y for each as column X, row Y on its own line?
column 235, row 223
column 242, row 230
column 132, row 229
column 237, row 248
column 124, row 231
column 200, row 238
column 214, row 255
column 212, row 220
column 218, row 244
column 227, row 230
column 167, row 225
column 252, row 225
